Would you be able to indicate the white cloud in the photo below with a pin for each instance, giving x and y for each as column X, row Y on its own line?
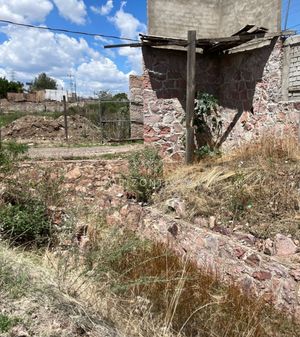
column 134, row 58
column 104, row 9
column 72, row 10
column 101, row 74
column 127, row 24
column 129, row 27
column 25, row 11
column 58, row 55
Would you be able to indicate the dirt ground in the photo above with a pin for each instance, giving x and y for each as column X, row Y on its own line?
column 81, row 152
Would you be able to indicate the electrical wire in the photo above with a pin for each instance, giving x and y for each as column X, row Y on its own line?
column 287, row 14
column 294, row 26
column 67, row 31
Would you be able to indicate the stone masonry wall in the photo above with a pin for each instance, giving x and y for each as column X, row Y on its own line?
column 233, row 260
column 247, row 85
column 250, row 96
column 164, row 89
column 211, row 18
column 136, row 106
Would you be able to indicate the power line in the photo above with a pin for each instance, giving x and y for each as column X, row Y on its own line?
column 287, row 14
column 294, row 26
column 67, row 31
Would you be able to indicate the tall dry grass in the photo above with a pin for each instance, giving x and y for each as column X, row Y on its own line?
column 145, row 289
column 254, row 188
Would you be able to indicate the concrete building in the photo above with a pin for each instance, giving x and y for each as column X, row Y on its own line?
column 55, row 95
column 211, row 18
column 257, row 83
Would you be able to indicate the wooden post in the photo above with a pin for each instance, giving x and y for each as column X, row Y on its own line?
column 65, row 118
column 190, row 96
column 100, row 122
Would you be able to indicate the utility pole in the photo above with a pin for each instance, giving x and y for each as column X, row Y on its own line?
column 190, row 97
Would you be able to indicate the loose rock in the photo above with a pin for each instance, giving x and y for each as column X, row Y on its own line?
column 284, row 246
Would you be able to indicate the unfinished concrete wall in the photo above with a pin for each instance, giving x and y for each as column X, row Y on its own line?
column 235, row 14
column 136, row 106
column 211, row 18
column 247, row 85
column 173, row 18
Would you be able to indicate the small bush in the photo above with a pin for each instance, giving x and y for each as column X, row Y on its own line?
column 207, row 152
column 24, row 220
column 207, row 121
column 145, row 174
column 6, row 323
column 9, row 154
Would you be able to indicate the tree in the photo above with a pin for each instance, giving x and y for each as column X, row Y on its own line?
column 121, row 97
column 104, row 95
column 42, row 81
column 9, row 86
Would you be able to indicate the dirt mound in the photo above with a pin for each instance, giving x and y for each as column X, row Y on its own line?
column 46, row 128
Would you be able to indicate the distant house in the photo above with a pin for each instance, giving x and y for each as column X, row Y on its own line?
column 55, row 95
column 38, row 96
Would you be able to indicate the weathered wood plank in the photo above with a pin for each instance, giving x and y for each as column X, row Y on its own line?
column 190, row 96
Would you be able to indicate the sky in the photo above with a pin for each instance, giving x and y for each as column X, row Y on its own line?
column 25, row 52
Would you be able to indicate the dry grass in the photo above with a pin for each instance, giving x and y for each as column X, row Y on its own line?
column 122, row 286
column 147, row 290
column 255, row 188
column 31, row 299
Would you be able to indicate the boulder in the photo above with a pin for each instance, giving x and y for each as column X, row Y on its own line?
column 73, row 174
column 176, row 205
column 284, row 246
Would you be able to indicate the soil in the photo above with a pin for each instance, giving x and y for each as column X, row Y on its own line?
column 39, row 128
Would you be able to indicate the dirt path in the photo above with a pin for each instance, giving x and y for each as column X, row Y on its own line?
column 80, row 152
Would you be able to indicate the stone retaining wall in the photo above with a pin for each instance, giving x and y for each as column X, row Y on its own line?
column 96, row 184
column 232, row 260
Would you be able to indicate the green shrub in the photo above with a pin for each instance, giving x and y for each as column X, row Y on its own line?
column 6, row 323
column 24, row 220
column 206, row 152
column 208, row 123
column 9, row 154
column 145, row 174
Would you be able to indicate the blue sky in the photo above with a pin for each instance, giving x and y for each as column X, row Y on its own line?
column 26, row 52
